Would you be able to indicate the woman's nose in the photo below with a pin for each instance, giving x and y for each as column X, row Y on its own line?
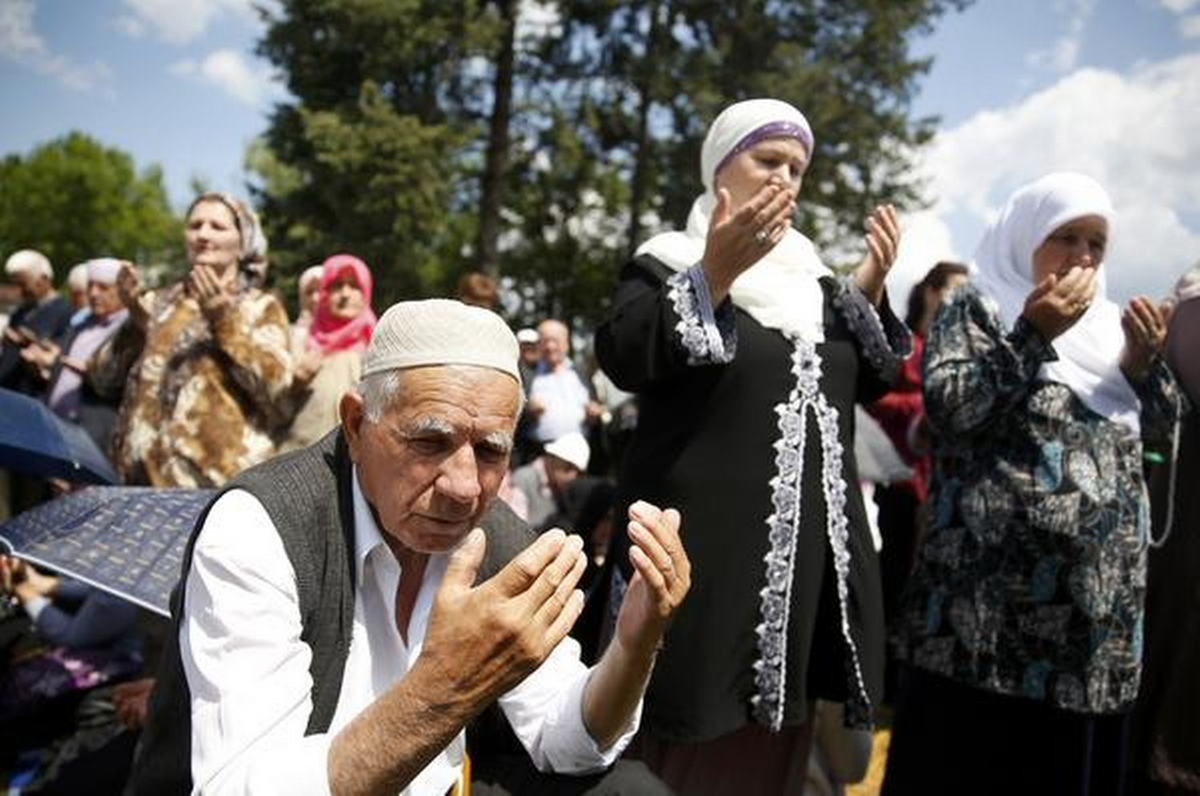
column 1082, row 253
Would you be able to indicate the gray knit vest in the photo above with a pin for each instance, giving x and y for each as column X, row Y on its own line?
column 308, row 496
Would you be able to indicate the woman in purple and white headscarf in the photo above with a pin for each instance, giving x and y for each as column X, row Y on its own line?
column 747, row 354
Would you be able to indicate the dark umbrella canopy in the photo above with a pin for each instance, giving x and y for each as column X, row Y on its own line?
column 128, row 541
column 36, row 441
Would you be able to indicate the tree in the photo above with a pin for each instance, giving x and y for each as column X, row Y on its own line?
column 545, row 156
column 381, row 148
column 74, row 199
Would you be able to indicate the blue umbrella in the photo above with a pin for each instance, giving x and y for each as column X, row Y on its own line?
column 36, row 441
column 128, row 541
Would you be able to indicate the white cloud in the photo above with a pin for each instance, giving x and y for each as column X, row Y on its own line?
column 1139, row 134
column 1179, row 6
column 251, row 83
column 19, row 42
column 926, row 239
column 1189, row 24
column 1064, row 53
column 180, row 21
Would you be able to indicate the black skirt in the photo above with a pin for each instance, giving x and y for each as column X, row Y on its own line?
column 952, row 738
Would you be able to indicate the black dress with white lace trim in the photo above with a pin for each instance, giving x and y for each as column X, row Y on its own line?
column 749, row 433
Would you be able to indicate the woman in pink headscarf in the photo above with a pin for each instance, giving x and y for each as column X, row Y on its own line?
column 331, row 364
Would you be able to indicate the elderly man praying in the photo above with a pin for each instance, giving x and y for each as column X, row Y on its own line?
column 347, row 609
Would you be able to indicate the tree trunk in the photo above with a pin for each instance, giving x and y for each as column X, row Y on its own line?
column 492, row 190
column 644, row 157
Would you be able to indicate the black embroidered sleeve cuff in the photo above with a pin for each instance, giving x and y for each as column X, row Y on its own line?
column 708, row 336
column 885, row 340
column 1031, row 349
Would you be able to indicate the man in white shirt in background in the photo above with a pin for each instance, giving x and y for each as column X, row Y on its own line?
column 280, row 700
column 559, row 401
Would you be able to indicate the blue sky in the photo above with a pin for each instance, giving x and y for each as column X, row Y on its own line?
column 1023, row 87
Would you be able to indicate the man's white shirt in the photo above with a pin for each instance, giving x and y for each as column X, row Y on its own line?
column 248, row 669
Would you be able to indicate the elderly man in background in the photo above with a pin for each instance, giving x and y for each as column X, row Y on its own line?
column 559, row 401
column 348, row 608
column 42, row 316
column 539, row 486
column 77, row 293
column 64, row 363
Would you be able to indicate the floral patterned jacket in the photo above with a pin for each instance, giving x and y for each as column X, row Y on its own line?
column 1031, row 578
column 200, row 397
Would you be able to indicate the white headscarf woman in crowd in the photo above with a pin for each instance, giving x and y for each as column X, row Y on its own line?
column 1089, row 349
column 1023, row 618
column 737, row 338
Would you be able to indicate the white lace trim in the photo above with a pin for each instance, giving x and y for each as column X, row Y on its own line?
column 698, row 331
column 885, row 345
column 783, row 530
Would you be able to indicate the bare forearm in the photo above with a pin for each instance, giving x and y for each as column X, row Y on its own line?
column 394, row 739
column 613, row 690
column 870, row 281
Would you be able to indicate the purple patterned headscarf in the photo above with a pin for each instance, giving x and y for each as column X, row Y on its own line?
column 744, row 124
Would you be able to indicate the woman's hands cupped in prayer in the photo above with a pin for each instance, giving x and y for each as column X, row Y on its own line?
column 1145, row 326
column 213, row 289
column 1057, row 303
column 738, row 237
column 129, row 290
column 883, row 244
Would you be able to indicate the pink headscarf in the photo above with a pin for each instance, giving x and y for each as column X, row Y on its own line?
column 329, row 334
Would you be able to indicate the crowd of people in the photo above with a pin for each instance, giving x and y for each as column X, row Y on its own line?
column 679, row 585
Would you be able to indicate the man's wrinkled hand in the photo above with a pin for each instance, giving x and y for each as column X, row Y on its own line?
column 482, row 640
column 662, row 577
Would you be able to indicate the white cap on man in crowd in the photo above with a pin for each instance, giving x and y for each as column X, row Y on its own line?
column 311, row 274
column 77, row 277
column 103, row 270
column 414, row 334
column 29, row 261
column 572, row 448
column 526, row 336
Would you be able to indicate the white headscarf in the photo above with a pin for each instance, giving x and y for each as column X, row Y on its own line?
column 1088, row 352
column 780, row 291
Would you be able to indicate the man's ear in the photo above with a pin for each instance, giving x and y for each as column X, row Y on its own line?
column 352, row 412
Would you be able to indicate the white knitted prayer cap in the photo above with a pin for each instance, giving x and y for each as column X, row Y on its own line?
column 104, row 270
column 572, row 448
column 413, row 334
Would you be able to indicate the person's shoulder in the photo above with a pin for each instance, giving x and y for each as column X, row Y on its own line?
column 647, row 267
column 507, row 536
column 233, row 521
column 524, row 476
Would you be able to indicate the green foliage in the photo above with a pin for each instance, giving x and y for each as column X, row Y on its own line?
column 390, row 148
column 74, row 199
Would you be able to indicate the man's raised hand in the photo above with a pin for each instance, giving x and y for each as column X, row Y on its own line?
column 662, row 576
column 482, row 640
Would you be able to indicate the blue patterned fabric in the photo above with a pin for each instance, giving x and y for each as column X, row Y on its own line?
column 127, row 541
column 1032, row 576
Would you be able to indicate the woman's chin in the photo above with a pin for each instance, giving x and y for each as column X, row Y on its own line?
column 220, row 265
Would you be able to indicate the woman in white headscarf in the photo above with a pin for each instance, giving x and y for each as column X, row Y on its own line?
column 1023, row 621
column 747, row 355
